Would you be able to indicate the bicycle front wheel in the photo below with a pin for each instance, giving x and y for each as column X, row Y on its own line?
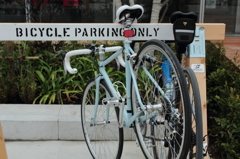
column 102, row 134
column 162, row 89
column 196, row 147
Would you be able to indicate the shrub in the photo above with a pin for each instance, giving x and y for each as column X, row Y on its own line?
column 223, row 90
column 42, row 81
column 7, row 77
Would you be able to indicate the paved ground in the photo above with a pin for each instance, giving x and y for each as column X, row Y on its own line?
column 61, row 150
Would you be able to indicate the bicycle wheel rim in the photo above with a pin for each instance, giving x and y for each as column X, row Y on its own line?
column 104, row 141
column 162, row 146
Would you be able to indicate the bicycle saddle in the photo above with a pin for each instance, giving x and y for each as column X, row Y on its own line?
column 178, row 14
column 129, row 12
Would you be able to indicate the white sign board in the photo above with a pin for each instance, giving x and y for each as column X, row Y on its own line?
column 68, row 31
column 198, row 68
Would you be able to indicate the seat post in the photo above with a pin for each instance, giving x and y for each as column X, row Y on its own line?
column 127, row 23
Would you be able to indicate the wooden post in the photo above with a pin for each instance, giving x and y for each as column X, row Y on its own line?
column 212, row 32
column 9, row 47
column 3, row 151
column 201, row 77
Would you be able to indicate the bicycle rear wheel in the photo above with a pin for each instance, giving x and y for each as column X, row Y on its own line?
column 167, row 134
column 104, row 138
column 196, row 147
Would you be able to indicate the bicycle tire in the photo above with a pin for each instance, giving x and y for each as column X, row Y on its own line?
column 196, row 147
column 104, row 140
column 166, row 135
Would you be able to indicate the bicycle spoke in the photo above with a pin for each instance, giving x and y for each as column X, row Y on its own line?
column 104, row 138
column 168, row 132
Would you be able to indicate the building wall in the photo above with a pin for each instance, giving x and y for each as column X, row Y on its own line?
column 223, row 11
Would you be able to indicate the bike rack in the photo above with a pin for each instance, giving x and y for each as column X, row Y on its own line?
column 195, row 56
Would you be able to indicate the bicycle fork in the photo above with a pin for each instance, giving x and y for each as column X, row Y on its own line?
column 116, row 103
column 110, row 102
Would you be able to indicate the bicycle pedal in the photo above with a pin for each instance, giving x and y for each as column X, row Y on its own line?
column 112, row 102
column 149, row 146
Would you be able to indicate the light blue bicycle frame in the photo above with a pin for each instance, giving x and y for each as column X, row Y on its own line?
column 129, row 118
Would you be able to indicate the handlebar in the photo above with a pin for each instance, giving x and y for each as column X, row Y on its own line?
column 112, row 49
column 73, row 53
column 67, row 58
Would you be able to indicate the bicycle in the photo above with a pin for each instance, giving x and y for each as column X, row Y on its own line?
column 156, row 103
column 196, row 147
column 184, row 31
column 184, row 35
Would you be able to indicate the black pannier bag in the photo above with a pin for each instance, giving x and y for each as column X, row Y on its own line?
column 184, row 25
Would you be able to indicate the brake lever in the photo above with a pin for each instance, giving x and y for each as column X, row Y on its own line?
column 91, row 46
column 63, row 54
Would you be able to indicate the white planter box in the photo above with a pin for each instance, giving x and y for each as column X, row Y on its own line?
column 44, row 122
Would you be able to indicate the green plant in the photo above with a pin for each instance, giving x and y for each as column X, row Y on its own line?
column 3, row 80
column 24, row 70
column 236, row 59
column 51, row 84
column 27, row 87
column 4, row 85
column 223, row 89
column 42, row 80
column 7, row 76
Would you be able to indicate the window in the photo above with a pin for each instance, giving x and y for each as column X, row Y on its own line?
column 223, row 11
column 56, row 11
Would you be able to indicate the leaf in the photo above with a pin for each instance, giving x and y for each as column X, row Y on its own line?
column 52, row 98
column 34, row 102
column 69, row 79
column 40, row 76
column 72, row 91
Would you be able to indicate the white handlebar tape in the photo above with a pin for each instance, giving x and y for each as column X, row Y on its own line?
column 88, row 51
column 73, row 53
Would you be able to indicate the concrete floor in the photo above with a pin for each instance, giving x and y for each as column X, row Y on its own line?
column 61, row 150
